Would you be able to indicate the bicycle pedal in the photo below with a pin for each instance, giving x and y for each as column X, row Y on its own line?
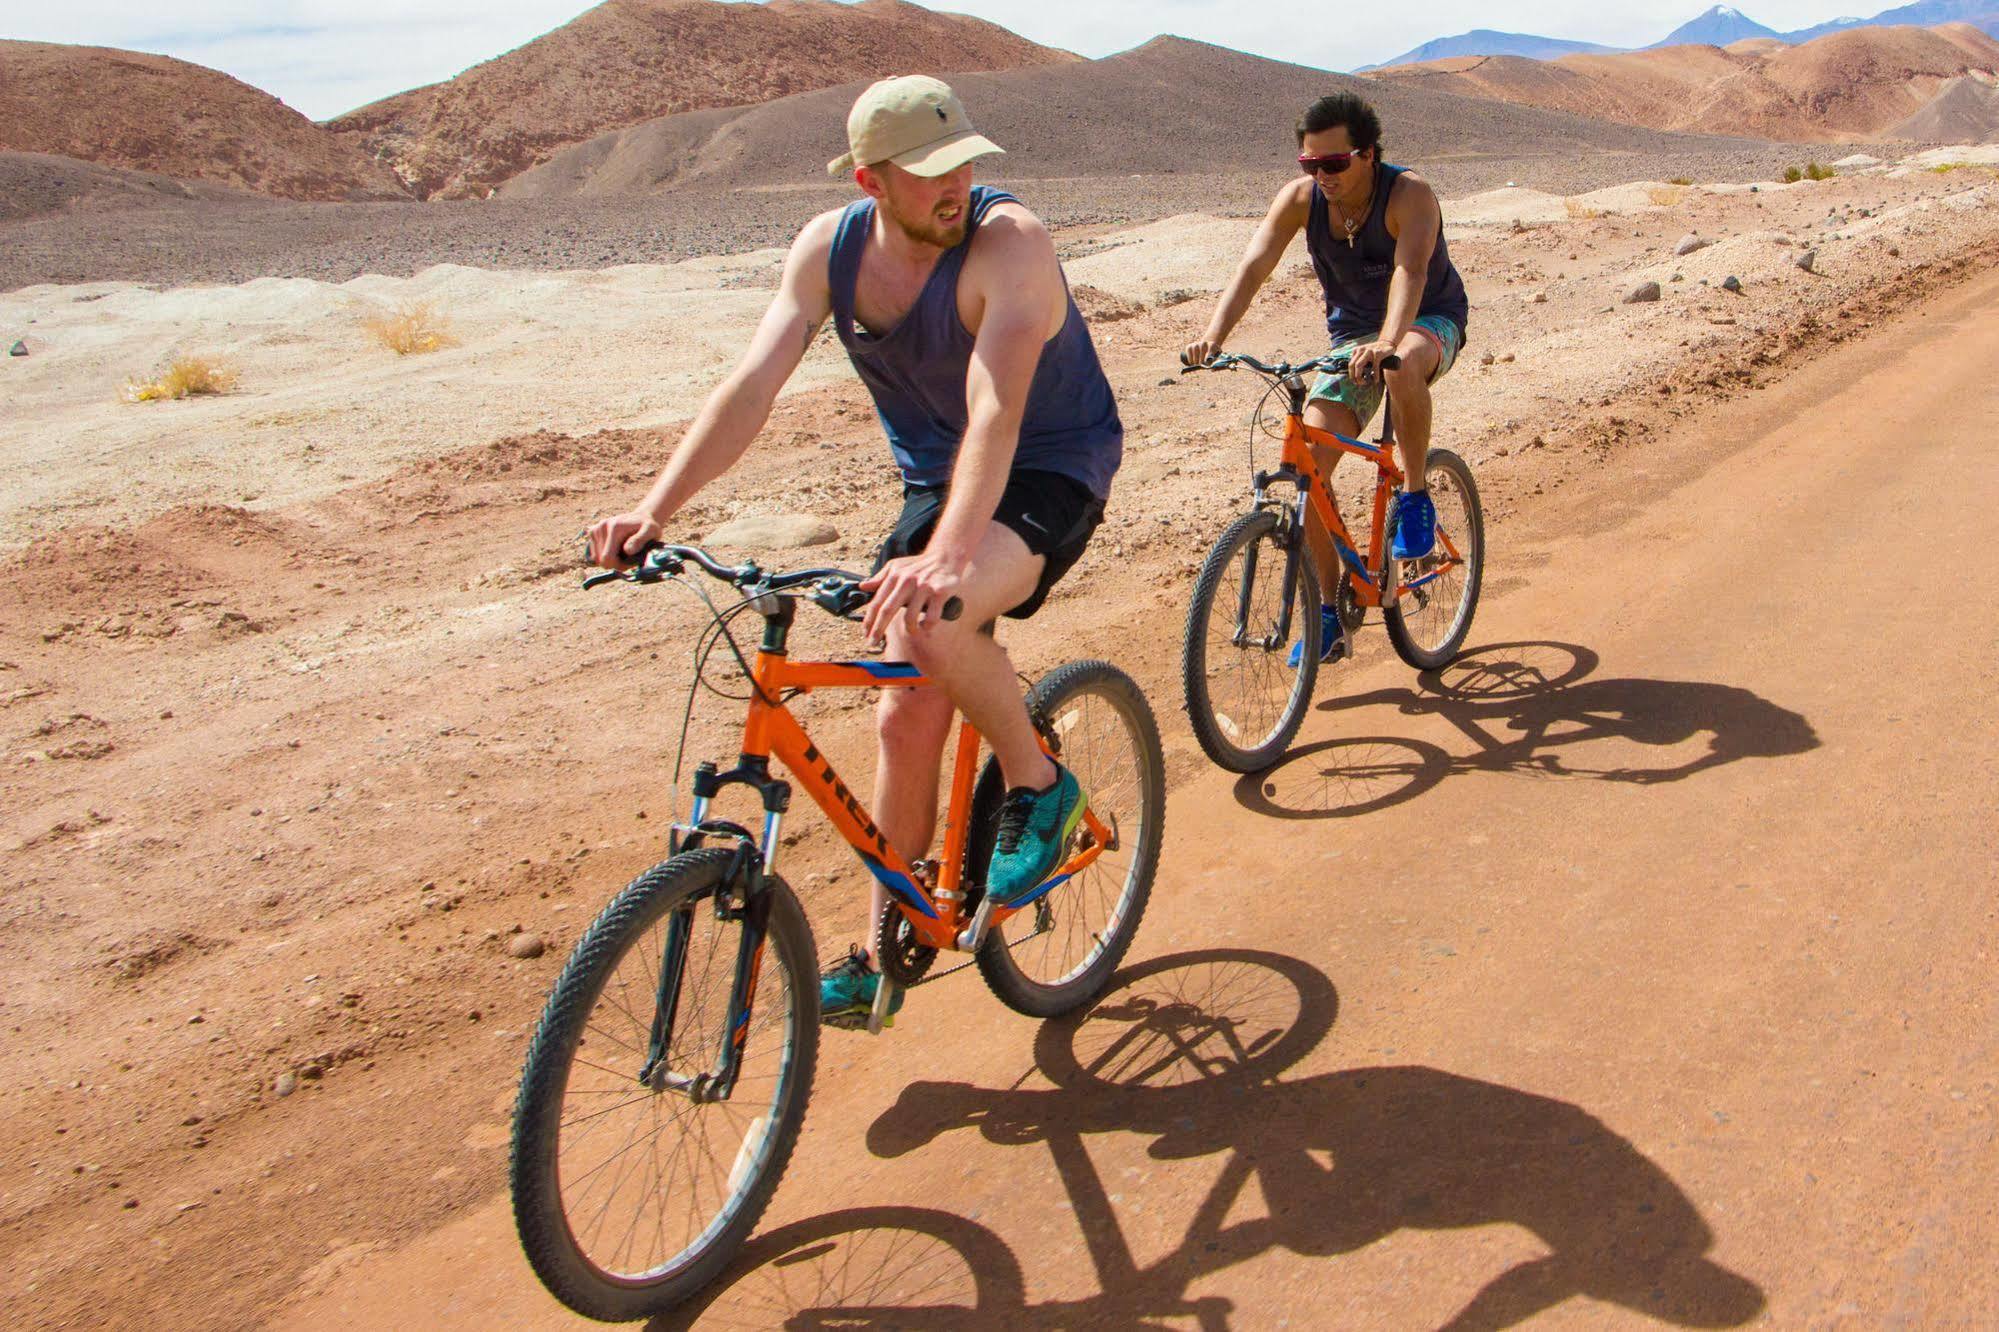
column 974, row 934
column 882, row 1014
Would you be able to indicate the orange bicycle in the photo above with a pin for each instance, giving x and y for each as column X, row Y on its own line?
column 1246, row 696
column 667, row 1081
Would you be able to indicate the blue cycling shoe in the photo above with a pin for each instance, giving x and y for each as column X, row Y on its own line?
column 1332, row 639
column 1415, row 525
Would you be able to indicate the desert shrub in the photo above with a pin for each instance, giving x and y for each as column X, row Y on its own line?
column 413, row 328
column 1680, row 180
column 1792, row 175
column 1666, row 196
column 1813, row 171
column 184, row 377
column 1579, row 211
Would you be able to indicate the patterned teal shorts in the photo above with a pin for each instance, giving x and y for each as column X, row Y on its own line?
column 1364, row 400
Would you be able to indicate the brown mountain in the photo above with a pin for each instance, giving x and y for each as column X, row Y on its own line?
column 1169, row 107
column 1860, row 83
column 151, row 113
column 628, row 61
column 1966, row 111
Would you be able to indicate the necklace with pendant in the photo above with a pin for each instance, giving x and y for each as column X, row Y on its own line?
column 1351, row 226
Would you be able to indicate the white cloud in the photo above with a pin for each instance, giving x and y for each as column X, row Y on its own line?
column 325, row 57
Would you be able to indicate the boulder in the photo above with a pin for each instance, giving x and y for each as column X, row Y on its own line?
column 1644, row 291
column 1806, row 260
column 775, row 531
column 1689, row 243
column 1731, row 283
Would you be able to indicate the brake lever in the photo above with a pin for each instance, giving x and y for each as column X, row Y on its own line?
column 849, row 609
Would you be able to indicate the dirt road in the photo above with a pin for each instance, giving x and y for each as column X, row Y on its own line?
column 1637, row 965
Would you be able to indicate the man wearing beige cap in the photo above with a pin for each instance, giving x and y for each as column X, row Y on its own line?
column 954, row 311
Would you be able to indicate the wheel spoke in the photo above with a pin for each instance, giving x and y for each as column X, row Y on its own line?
column 645, row 1181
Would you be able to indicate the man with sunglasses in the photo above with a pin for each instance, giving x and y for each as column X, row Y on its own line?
column 954, row 311
column 1375, row 235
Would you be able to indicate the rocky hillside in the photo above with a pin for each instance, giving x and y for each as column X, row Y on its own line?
column 628, row 61
column 1856, row 84
column 1229, row 112
column 150, row 113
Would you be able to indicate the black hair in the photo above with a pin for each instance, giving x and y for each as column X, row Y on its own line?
column 1345, row 109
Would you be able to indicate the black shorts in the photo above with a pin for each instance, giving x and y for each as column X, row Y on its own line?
column 1054, row 514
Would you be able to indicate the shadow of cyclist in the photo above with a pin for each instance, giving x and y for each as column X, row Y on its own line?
column 1527, row 708
column 1189, row 1051
column 1343, row 1159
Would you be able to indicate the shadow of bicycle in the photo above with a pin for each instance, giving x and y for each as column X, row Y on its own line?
column 1189, row 1051
column 1527, row 709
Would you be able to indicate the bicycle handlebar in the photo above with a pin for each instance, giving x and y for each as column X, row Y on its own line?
column 835, row 591
column 1332, row 364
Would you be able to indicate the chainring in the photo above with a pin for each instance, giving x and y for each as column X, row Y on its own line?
column 897, row 952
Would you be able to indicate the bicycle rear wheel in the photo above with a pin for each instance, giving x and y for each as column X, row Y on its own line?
column 630, row 1195
column 1058, row 953
column 1245, row 699
column 1428, row 622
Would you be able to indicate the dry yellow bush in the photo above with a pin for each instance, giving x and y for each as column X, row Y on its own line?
column 1579, row 211
column 414, row 328
column 184, row 377
column 1666, row 196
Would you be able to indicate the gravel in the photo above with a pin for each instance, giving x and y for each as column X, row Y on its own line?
column 177, row 242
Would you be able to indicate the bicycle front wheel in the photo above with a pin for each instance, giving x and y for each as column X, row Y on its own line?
column 632, row 1186
column 1246, row 698
column 1428, row 620
column 1058, row 953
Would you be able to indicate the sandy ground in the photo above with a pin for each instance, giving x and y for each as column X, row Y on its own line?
column 294, row 744
column 322, row 405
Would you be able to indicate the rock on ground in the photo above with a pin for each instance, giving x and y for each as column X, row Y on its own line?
column 775, row 531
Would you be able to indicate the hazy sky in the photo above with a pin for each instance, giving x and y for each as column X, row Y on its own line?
column 328, row 56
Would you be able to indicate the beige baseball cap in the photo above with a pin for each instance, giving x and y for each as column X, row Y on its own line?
column 915, row 122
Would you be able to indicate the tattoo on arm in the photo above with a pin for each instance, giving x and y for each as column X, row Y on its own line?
column 812, row 331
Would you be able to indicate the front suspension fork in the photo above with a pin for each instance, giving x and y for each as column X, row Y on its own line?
column 746, row 886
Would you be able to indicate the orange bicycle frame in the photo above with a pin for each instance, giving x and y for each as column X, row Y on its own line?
column 771, row 730
column 1365, row 577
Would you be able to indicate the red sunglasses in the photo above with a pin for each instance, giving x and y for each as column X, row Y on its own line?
column 1333, row 162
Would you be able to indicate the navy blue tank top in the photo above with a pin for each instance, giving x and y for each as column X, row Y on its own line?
column 916, row 371
column 1356, row 276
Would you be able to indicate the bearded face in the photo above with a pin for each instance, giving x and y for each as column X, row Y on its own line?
column 930, row 210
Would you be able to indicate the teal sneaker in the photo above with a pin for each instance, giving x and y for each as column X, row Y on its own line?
column 847, row 991
column 1034, row 826
column 1332, row 639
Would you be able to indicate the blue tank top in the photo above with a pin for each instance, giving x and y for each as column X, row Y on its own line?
column 916, row 371
column 1356, row 276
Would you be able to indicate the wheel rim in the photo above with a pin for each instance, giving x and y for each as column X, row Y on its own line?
column 1431, row 607
column 1062, row 934
column 648, row 1179
column 1251, row 685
